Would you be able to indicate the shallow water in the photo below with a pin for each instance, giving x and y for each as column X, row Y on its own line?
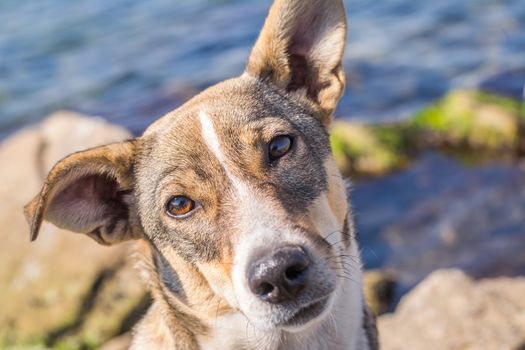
column 132, row 61
column 441, row 213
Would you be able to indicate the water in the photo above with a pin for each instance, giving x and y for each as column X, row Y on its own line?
column 132, row 61
column 440, row 213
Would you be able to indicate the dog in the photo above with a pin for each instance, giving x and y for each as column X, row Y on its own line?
column 242, row 216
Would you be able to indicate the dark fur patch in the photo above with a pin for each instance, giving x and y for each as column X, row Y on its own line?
column 347, row 232
column 168, row 276
column 370, row 328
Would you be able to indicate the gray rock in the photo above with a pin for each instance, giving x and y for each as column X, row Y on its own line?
column 449, row 310
column 59, row 289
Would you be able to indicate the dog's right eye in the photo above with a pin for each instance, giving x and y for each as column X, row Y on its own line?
column 179, row 206
column 279, row 146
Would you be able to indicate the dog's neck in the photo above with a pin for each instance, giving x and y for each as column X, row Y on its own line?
column 173, row 322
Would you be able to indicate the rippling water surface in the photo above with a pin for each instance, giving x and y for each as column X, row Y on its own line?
column 441, row 213
column 131, row 61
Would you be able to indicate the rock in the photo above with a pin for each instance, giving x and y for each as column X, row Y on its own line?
column 469, row 124
column 65, row 132
column 449, row 310
column 368, row 149
column 59, row 289
column 379, row 287
column 472, row 119
column 122, row 342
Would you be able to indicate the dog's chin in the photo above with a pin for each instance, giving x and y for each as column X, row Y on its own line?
column 308, row 315
column 301, row 319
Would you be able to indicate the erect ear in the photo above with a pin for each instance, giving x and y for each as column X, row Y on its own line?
column 90, row 192
column 300, row 50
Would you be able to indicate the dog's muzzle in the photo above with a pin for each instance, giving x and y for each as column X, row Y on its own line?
column 285, row 285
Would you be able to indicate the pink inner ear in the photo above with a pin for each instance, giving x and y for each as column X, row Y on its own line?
column 87, row 204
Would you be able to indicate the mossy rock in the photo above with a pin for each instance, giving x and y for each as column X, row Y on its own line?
column 379, row 288
column 120, row 301
column 25, row 347
column 58, row 284
column 471, row 119
column 85, row 319
column 369, row 150
column 466, row 123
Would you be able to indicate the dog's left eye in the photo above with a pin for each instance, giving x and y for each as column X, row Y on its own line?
column 279, row 146
column 178, row 206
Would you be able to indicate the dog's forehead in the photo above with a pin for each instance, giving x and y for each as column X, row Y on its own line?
column 239, row 110
column 234, row 101
column 235, row 119
column 176, row 149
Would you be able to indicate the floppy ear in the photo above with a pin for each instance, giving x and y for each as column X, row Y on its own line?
column 300, row 50
column 90, row 192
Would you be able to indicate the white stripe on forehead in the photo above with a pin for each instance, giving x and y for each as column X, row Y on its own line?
column 212, row 140
column 251, row 206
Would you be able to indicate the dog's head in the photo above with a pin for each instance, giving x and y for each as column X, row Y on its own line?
column 237, row 189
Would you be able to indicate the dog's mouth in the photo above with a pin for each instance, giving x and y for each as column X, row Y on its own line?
column 307, row 313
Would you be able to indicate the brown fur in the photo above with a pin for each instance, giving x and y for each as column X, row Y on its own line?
column 291, row 51
column 107, row 171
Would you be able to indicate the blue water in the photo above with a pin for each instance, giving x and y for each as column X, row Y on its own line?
column 132, row 61
column 440, row 213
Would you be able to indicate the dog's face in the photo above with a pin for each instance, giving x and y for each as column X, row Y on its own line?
column 237, row 190
column 243, row 192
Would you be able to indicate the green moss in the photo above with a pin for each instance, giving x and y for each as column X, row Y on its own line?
column 451, row 118
column 511, row 105
column 69, row 343
column 84, row 323
column 472, row 119
column 23, row 345
column 461, row 122
column 397, row 137
column 119, row 297
column 367, row 150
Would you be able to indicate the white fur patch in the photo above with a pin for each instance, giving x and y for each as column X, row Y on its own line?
column 210, row 138
column 325, row 220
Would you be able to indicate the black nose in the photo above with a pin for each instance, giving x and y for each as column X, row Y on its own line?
column 280, row 275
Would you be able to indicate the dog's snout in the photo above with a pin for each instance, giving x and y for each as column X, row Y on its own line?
column 280, row 275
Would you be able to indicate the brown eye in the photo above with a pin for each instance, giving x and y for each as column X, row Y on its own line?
column 279, row 146
column 179, row 206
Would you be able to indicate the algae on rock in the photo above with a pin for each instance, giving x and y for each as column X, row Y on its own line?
column 472, row 119
column 62, row 290
column 369, row 149
column 462, row 122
